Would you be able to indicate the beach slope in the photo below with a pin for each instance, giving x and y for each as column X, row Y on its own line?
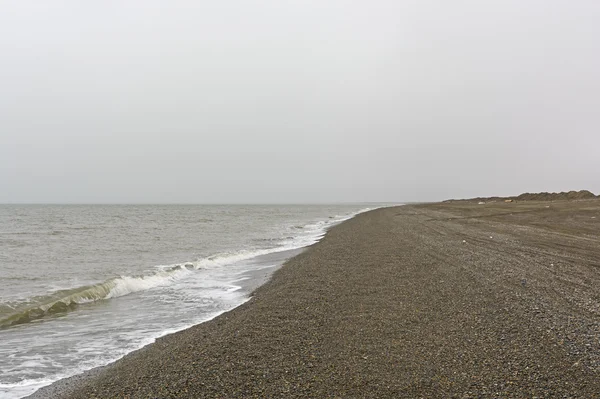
column 439, row 300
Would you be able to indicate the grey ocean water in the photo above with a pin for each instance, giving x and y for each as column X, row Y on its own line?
column 82, row 285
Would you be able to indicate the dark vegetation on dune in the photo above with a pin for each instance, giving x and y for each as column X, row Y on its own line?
column 543, row 196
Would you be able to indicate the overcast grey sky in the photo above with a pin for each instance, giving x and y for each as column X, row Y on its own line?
column 297, row 101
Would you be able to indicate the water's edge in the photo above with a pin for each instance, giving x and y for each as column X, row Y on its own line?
column 255, row 278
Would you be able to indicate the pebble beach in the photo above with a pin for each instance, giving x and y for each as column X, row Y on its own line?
column 446, row 300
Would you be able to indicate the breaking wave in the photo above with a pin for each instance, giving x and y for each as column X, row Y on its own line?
column 63, row 301
column 66, row 300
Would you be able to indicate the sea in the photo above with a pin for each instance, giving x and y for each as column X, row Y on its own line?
column 83, row 285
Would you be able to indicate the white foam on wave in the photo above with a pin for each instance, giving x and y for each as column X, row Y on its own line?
column 27, row 387
column 126, row 285
column 308, row 234
column 228, row 258
column 23, row 388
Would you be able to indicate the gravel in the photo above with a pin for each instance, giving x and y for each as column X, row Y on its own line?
column 451, row 300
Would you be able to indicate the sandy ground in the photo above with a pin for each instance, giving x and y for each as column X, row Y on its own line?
column 433, row 301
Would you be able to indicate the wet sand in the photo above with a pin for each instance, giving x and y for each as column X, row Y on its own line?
column 439, row 300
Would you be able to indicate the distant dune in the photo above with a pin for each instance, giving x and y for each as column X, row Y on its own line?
column 544, row 196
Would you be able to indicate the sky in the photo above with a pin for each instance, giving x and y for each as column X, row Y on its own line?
column 278, row 101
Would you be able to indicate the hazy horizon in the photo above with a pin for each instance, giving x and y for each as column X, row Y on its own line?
column 384, row 203
column 294, row 102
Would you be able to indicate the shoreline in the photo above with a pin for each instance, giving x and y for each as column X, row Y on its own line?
column 433, row 300
column 250, row 280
